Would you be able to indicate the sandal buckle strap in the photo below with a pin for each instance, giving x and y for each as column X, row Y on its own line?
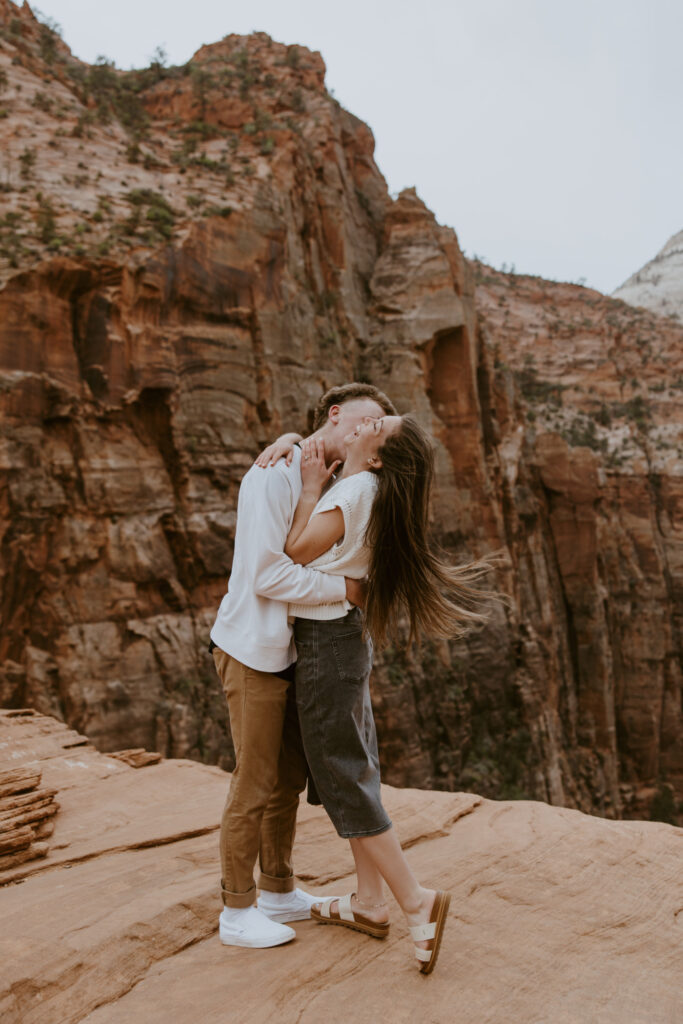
column 345, row 912
column 423, row 931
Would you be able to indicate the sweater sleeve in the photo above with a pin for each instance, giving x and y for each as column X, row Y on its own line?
column 275, row 574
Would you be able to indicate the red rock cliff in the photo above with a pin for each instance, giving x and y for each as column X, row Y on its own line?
column 188, row 257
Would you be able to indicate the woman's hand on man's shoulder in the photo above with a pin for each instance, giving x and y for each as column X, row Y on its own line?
column 283, row 448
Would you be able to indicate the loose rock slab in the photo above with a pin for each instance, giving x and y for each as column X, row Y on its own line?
column 26, row 812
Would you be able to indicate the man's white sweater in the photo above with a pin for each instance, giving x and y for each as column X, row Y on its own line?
column 251, row 625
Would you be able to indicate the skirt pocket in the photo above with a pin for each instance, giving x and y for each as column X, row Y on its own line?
column 352, row 656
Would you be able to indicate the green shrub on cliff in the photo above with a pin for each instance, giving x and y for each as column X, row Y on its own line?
column 247, row 72
column 582, row 433
column 534, row 389
column 663, row 807
column 218, row 211
column 11, row 241
column 45, row 219
column 50, row 32
column 158, row 213
column 638, row 410
column 499, row 765
column 603, row 416
column 162, row 219
column 47, row 45
column 115, row 94
column 27, row 159
column 41, row 101
column 297, row 102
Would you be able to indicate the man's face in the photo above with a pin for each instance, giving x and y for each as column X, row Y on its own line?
column 350, row 415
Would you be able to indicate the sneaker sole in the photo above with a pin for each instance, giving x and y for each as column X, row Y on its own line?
column 285, row 916
column 234, row 940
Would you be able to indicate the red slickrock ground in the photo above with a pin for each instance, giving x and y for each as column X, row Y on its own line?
column 556, row 915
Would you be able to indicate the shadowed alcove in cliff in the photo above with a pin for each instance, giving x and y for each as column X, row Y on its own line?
column 451, row 389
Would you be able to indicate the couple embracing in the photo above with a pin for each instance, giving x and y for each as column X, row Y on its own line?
column 293, row 650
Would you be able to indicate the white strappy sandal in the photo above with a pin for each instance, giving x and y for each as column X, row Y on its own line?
column 432, row 931
column 347, row 918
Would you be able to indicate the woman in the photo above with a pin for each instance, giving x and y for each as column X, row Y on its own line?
column 373, row 520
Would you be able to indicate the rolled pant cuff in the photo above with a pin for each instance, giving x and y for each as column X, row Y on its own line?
column 239, row 900
column 272, row 884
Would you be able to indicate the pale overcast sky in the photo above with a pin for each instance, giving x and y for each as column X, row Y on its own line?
column 547, row 134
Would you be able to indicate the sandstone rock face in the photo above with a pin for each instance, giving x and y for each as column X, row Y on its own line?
column 658, row 285
column 595, row 475
column 119, row 922
column 228, row 251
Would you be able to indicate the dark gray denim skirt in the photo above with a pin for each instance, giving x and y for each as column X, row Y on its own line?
column 337, row 725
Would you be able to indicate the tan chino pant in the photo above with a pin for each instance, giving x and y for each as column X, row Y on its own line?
column 259, row 818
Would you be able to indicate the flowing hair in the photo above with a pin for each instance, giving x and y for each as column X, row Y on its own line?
column 406, row 577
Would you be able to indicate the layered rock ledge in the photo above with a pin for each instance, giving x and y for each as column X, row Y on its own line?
column 556, row 916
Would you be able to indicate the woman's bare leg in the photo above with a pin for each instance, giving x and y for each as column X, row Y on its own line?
column 385, row 852
column 370, row 891
column 381, row 857
column 368, row 899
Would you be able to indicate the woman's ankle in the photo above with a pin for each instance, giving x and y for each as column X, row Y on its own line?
column 370, row 900
column 372, row 905
column 421, row 900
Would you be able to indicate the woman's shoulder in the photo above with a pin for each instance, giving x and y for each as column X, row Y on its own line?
column 359, row 483
column 352, row 491
column 349, row 492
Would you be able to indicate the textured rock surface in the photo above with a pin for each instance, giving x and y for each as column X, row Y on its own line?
column 190, row 256
column 593, row 476
column 658, row 285
column 119, row 922
column 26, row 815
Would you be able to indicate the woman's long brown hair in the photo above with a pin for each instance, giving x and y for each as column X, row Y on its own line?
column 406, row 577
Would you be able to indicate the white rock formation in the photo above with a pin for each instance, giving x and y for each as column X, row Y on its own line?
column 658, row 285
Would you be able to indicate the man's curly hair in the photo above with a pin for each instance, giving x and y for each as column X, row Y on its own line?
column 344, row 393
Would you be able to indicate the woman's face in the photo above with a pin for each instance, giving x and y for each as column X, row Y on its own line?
column 363, row 445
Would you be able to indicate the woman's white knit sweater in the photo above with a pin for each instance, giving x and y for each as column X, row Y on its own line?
column 350, row 557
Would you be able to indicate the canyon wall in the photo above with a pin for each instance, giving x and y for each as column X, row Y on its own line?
column 188, row 258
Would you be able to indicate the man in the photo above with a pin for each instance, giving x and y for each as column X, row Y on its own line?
column 254, row 655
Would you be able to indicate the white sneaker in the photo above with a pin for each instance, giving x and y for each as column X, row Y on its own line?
column 288, row 906
column 251, row 928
